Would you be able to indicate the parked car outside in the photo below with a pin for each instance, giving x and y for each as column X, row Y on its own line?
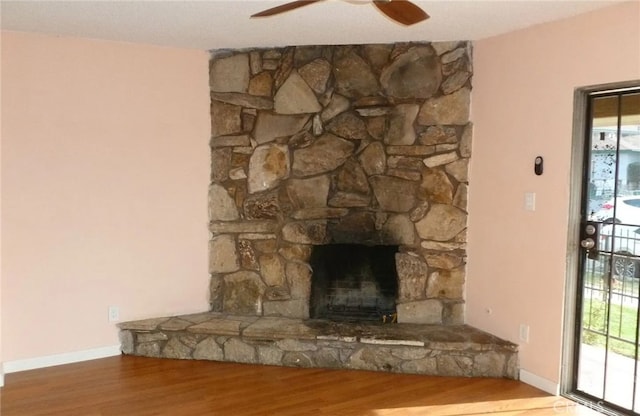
column 624, row 242
column 627, row 210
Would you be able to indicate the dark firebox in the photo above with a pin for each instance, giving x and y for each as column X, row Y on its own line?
column 353, row 282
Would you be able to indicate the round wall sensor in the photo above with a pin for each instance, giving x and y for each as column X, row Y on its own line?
column 538, row 165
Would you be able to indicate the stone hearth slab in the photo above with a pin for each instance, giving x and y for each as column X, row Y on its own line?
column 220, row 326
column 446, row 350
column 279, row 328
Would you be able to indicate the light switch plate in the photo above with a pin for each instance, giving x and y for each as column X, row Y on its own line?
column 530, row 201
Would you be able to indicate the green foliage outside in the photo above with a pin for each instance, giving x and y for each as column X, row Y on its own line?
column 623, row 322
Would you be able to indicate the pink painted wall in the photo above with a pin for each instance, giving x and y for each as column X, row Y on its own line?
column 105, row 168
column 523, row 107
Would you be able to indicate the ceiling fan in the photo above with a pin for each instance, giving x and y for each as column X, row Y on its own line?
column 402, row 11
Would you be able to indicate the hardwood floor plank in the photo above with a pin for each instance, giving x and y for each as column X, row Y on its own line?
column 139, row 386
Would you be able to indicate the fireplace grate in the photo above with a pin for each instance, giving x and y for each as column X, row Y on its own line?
column 364, row 301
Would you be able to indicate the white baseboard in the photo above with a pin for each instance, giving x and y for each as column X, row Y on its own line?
column 1, row 376
column 539, row 382
column 59, row 359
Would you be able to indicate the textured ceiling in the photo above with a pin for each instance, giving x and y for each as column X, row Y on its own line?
column 226, row 24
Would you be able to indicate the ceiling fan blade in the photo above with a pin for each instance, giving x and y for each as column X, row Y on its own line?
column 402, row 11
column 285, row 8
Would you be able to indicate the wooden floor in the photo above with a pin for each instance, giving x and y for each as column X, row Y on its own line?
column 132, row 386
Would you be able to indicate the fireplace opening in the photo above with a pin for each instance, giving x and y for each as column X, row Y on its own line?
column 353, row 282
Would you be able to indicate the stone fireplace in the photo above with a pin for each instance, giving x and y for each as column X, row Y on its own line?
column 345, row 145
column 337, row 206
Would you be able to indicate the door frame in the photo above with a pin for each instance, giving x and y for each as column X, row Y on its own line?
column 568, row 373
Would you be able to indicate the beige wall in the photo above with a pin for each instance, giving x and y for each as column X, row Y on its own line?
column 105, row 168
column 523, row 107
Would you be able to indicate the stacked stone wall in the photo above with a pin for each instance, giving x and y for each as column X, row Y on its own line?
column 339, row 144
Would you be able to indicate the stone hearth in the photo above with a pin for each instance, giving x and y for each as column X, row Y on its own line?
column 320, row 145
column 451, row 350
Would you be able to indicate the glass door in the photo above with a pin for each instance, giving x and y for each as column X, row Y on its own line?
column 606, row 371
